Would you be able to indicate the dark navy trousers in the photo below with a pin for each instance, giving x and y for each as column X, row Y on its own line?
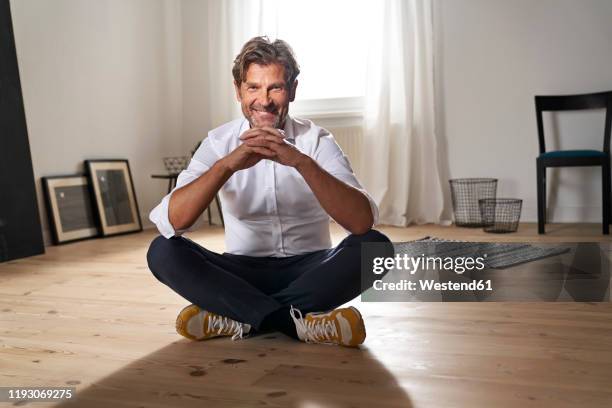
column 247, row 289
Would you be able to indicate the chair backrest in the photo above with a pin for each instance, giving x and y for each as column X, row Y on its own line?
column 599, row 100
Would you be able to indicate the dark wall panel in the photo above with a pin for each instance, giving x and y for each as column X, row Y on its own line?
column 20, row 232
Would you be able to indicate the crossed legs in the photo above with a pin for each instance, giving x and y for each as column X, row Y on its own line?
column 251, row 290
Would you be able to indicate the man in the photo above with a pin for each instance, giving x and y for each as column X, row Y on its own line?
column 280, row 179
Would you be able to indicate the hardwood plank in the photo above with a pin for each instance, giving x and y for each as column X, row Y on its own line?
column 90, row 314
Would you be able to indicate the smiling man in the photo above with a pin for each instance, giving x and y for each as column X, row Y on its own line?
column 280, row 180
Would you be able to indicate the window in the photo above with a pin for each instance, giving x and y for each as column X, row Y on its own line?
column 329, row 40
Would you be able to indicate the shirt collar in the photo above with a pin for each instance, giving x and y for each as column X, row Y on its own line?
column 289, row 128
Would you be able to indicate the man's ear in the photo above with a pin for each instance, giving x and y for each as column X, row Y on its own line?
column 293, row 90
column 237, row 89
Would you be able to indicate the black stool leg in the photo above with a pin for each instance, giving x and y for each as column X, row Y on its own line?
column 541, row 175
column 605, row 178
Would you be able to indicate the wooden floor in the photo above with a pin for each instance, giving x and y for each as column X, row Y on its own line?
column 91, row 315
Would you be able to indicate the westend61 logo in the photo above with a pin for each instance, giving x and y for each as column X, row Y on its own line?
column 412, row 264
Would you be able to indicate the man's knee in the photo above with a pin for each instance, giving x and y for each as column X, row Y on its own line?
column 375, row 236
column 155, row 251
column 370, row 236
column 381, row 247
column 160, row 251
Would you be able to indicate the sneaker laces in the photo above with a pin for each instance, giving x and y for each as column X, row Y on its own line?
column 225, row 325
column 313, row 331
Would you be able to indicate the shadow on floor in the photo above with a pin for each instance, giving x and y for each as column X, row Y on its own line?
column 269, row 370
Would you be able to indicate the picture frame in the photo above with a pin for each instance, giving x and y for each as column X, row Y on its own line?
column 114, row 196
column 69, row 208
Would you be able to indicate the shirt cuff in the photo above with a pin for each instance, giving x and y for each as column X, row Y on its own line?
column 159, row 217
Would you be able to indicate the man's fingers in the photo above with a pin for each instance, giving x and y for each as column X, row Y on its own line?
column 251, row 133
column 274, row 132
column 266, row 141
column 265, row 131
column 262, row 142
column 274, row 139
column 259, row 142
column 263, row 151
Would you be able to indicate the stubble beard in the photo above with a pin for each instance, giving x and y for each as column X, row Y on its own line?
column 249, row 114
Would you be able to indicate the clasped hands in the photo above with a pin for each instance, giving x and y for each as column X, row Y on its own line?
column 263, row 143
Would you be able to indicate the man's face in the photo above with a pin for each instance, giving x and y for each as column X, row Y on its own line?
column 264, row 95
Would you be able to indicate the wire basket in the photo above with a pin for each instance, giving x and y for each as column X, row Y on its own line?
column 176, row 164
column 465, row 193
column 500, row 215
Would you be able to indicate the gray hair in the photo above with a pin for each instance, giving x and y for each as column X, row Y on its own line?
column 261, row 51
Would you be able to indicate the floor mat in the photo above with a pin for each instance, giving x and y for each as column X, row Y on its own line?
column 498, row 255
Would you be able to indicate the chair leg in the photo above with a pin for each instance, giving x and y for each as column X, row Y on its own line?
column 605, row 178
column 541, row 176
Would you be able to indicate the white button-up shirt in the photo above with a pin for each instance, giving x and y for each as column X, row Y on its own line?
column 268, row 209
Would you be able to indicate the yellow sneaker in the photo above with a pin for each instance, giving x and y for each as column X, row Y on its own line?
column 341, row 326
column 198, row 324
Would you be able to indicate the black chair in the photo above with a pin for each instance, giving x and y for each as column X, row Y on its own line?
column 573, row 158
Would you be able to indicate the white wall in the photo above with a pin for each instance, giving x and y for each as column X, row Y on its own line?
column 101, row 79
column 196, row 121
column 492, row 57
column 197, row 103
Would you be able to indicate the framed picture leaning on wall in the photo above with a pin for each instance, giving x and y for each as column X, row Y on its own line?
column 69, row 208
column 114, row 196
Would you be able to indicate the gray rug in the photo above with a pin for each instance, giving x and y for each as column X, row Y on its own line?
column 498, row 255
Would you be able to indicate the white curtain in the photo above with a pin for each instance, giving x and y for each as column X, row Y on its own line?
column 400, row 163
column 231, row 23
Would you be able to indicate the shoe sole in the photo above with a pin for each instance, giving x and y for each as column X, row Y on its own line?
column 183, row 317
column 361, row 326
